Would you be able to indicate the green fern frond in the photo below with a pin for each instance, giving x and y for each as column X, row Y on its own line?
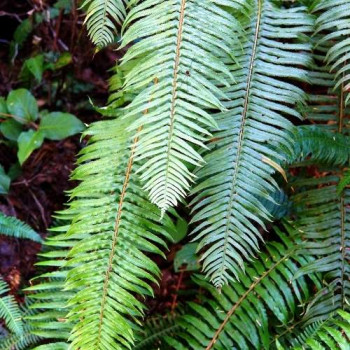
column 49, row 317
column 334, row 19
column 151, row 334
column 333, row 334
column 322, row 146
column 344, row 182
column 181, row 45
column 254, row 137
column 12, row 227
column 102, row 17
column 237, row 318
column 9, row 310
column 20, row 336
column 116, row 227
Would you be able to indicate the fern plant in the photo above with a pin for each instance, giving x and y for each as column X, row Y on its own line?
column 12, row 227
column 244, row 153
column 203, row 105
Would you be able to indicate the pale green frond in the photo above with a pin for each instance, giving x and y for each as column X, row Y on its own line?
column 333, row 18
column 12, row 227
column 180, row 45
column 255, row 137
column 117, row 228
column 102, row 16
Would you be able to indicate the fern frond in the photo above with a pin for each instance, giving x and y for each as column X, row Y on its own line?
column 116, row 227
column 19, row 337
column 237, row 318
column 254, row 136
column 333, row 334
column 334, row 19
column 12, row 227
column 180, row 45
column 9, row 310
column 102, row 17
column 322, row 146
column 49, row 317
column 153, row 331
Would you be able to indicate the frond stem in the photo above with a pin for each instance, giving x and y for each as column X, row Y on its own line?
column 174, row 91
column 244, row 296
column 240, row 137
column 115, row 235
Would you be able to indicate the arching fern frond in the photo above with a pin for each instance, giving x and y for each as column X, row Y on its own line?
column 332, row 334
column 12, row 227
column 254, row 137
column 117, row 226
column 237, row 318
column 181, row 45
column 322, row 146
column 102, row 17
column 333, row 17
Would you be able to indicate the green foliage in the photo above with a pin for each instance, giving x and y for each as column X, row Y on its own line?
column 102, row 17
column 333, row 334
column 22, row 112
column 12, row 227
column 178, row 50
column 237, row 318
column 334, row 19
column 240, row 163
column 5, row 181
column 205, row 96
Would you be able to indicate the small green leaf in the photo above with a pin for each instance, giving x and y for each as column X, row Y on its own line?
column 22, row 105
column 35, row 66
column 22, row 31
column 186, row 256
column 28, row 141
column 57, row 125
column 3, row 108
column 63, row 60
column 181, row 230
column 11, row 129
column 4, row 181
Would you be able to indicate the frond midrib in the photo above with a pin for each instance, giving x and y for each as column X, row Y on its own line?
column 240, row 137
column 245, row 295
column 174, row 92
column 115, row 235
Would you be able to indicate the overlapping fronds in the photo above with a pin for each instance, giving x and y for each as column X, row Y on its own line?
column 181, row 45
column 102, row 17
column 12, row 227
column 254, row 137
column 333, row 17
column 116, row 227
column 322, row 211
column 237, row 318
column 332, row 334
column 23, row 340
column 151, row 334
